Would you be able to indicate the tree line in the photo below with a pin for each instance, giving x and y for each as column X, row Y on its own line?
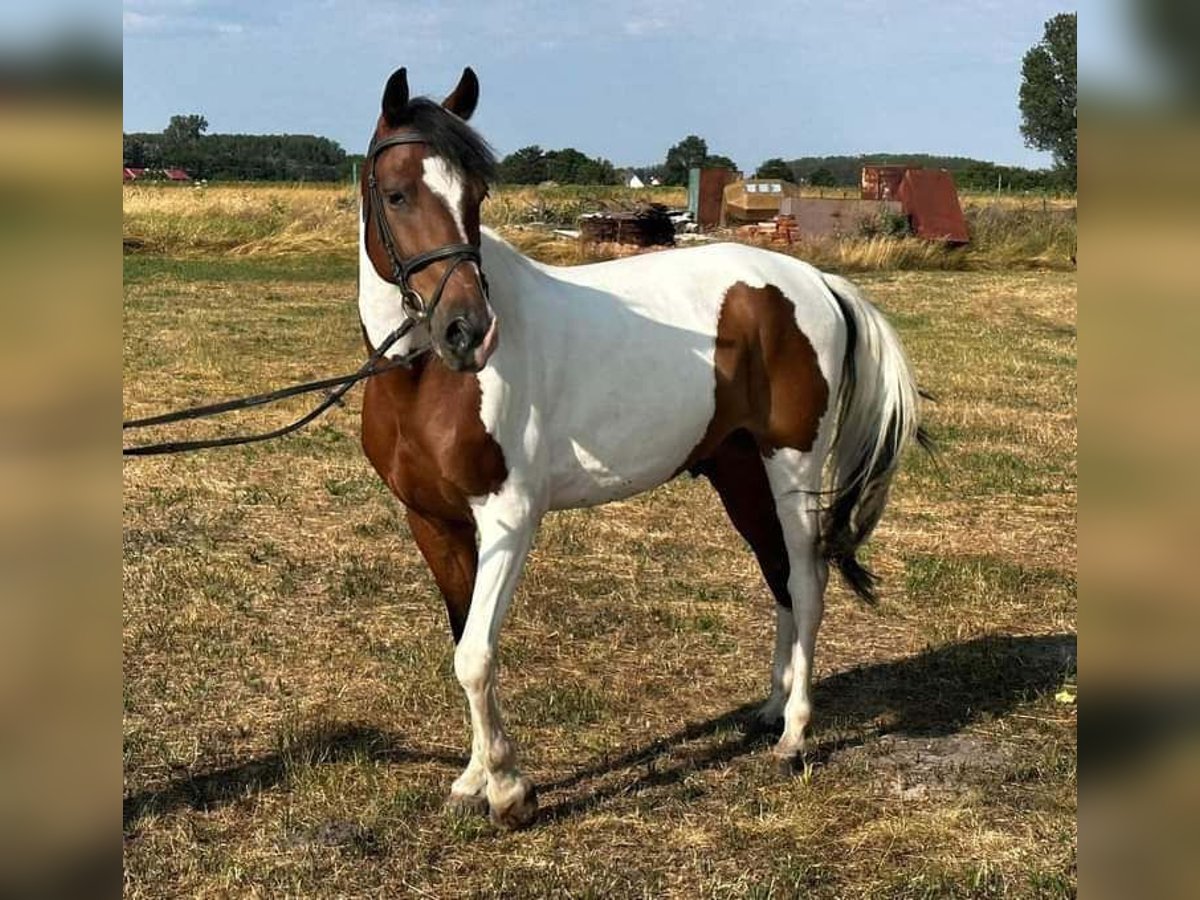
column 533, row 165
column 969, row 174
column 237, row 157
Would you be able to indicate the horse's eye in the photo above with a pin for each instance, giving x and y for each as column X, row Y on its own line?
column 396, row 199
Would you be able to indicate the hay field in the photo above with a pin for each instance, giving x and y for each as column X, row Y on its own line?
column 291, row 720
column 272, row 220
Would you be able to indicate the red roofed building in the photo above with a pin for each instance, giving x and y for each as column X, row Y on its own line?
column 132, row 173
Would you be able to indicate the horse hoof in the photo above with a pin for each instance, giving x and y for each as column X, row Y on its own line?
column 789, row 758
column 785, row 766
column 521, row 810
column 467, row 804
column 767, row 717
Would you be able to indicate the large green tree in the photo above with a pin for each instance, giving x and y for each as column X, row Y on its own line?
column 775, row 167
column 822, row 176
column 718, row 161
column 524, row 166
column 183, row 129
column 689, row 153
column 533, row 165
column 569, row 166
column 1048, row 94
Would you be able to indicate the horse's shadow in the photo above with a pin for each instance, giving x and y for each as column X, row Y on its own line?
column 220, row 787
column 934, row 693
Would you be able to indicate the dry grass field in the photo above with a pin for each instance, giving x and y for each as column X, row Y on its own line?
column 291, row 719
column 272, row 220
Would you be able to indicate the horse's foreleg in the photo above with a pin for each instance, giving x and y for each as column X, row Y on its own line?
column 449, row 549
column 795, row 482
column 506, row 523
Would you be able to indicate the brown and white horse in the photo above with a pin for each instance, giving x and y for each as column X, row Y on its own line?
column 550, row 388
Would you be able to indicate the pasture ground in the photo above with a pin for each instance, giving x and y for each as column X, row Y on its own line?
column 291, row 720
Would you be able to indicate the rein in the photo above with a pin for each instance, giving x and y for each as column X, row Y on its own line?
column 416, row 311
column 341, row 385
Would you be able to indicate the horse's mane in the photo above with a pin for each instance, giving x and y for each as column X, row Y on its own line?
column 451, row 138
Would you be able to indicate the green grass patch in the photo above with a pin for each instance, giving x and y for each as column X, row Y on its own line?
column 953, row 580
column 146, row 268
column 561, row 704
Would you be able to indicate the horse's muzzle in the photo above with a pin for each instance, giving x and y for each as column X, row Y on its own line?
column 466, row 343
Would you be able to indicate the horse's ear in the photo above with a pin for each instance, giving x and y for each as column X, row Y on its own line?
column 463, row 98
column 395, row 97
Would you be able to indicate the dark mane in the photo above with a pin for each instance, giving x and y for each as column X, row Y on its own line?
column 451, row 138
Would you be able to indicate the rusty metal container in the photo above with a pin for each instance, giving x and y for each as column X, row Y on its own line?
column 930, row 199
column 705, row 193
column 882, row 182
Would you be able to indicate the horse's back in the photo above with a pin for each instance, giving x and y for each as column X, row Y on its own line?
column 627, row 358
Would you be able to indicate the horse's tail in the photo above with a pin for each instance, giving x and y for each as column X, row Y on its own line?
column 877, row 417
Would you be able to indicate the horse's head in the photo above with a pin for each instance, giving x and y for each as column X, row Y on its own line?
column 424, row 179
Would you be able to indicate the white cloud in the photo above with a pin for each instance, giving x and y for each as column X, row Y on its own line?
column 645, row 25
column 187, row 17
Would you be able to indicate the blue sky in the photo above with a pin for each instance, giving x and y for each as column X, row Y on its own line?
column 619, row 79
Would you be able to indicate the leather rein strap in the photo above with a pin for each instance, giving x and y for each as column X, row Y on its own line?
column 416, row 312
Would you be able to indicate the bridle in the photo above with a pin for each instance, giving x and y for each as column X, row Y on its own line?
column 414, row 305
column 416, row 312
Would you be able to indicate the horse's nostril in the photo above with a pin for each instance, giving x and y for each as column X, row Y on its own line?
column 460, row 335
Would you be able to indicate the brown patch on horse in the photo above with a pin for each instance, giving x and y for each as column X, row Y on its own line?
column 768, row 378
column 422, row 431
column 770, row 393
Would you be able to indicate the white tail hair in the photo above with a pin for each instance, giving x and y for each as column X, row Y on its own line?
column 878, row 415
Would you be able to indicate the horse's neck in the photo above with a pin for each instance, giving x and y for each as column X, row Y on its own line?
column 508, row 270
column 533, row 295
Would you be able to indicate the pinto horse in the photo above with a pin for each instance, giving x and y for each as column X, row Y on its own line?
column 551, row 388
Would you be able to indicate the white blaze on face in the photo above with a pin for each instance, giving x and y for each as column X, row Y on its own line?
column 447, row 184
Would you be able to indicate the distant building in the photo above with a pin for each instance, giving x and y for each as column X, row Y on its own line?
column 635, row 182
column 134, row 173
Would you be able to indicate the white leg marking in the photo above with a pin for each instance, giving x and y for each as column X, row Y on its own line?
column 506, row 524
column 781, row 669
column 795, row 482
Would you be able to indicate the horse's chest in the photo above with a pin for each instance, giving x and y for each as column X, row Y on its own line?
column 432, row 449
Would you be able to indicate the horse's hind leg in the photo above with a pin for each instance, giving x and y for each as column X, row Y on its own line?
column 795, row 480
column 736, row 471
